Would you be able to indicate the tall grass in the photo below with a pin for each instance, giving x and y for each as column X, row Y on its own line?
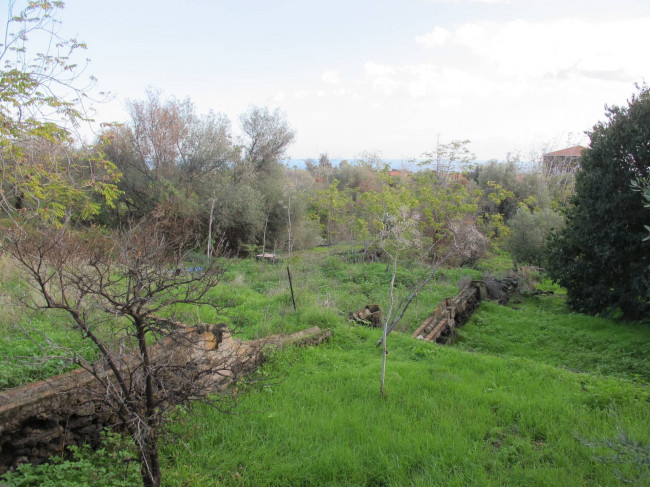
column 33, row 345
column 543, row 329
column 327, row 288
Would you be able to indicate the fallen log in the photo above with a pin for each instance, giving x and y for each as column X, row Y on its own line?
column 441, row 325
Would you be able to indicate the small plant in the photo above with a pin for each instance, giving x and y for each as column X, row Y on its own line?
column 113, row 465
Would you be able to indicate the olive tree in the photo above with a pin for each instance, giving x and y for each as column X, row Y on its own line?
column 529, row 233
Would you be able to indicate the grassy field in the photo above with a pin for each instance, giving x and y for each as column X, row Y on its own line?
column 256, row 302
column 529, row 395
column 451, row 418
column 33, row 345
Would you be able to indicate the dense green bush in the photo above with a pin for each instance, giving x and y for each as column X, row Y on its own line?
column 600, row 256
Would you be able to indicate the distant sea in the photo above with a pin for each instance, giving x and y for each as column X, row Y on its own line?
column 399, row 164
column 411, row 165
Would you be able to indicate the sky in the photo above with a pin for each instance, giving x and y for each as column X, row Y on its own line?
column 386, row 76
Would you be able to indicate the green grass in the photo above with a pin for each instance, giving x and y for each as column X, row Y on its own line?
column 326, row 289
column 543, row 329
column 497, row 261
column 33, row 345
column 494, row 410
column 451, row 418
column 31, row 349
column 255, row 299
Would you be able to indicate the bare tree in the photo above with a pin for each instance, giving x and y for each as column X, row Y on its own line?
column 454, row 156
column 396, row 239
column 267, row 136
column 119, row 291
column 400, row 233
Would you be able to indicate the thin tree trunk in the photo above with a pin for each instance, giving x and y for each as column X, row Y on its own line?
column 210, row 228
column 150, row 469
column 388, row 315
column 293, row 299
column 289, row 227
column 290, row 248
column 365, row 256
column 405, row 302
column 150, row 461
column 266, row 224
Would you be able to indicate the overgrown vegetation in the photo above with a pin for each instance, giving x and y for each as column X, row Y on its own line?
column 543, row 329
column 530, row 231
column 120, row 239
column 113, row 465
column 505, row 404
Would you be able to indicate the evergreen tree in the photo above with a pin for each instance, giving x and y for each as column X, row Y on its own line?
column 600, row 255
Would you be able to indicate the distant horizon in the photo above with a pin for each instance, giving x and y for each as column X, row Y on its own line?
column 394, row 164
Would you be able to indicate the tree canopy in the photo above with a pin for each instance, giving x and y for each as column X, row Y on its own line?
column 43, row 99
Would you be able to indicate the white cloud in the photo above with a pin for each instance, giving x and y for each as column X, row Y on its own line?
column 436, row 38
column 374, row 69
column 331, row 77
column 507, row 86
column 341, row 92
column 563, row 48
column 302, row 93
column 382, row 78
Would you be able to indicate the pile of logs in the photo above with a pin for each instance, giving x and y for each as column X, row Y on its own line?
column 370, row 316
column 441, row 325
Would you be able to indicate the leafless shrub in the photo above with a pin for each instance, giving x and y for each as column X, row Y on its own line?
column 474, row 243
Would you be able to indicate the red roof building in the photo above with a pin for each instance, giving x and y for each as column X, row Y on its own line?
column 562, row 161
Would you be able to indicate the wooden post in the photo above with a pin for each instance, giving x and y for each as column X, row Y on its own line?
column 291, row 286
